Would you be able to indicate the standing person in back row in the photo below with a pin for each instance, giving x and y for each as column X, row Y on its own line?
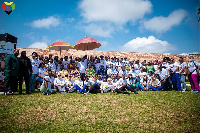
column 35, row 65
column 25, row 71
column 193, row 67
column 182, row 67
column 11, row 72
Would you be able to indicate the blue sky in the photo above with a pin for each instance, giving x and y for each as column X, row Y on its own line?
column 146, row 26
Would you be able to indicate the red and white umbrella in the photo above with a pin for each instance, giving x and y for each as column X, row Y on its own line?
column 87, row 44
column 58, row 46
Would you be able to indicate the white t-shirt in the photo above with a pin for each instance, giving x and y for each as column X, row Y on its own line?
column 35, row 65
column 122, row 72
column 65, row 64
column 123, row 81
column 144, row 81
column 137, row 69
column 193, row 66
column 79, row 83
column 107, row 87
column 173, row 66
column 69, row 83
column 51, row 79
column 42, row 72
column 59, row 81
column 142, row 74
column 163, row 74
column 53, row 66
column 156, row 82
column 82, row 66
column 182, row 66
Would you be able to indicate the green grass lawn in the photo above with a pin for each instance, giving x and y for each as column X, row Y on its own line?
column 149, row 111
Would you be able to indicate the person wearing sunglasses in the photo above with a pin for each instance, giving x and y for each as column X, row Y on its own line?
column 59, row 84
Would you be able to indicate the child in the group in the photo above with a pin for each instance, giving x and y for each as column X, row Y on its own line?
column 69, row 83
column 155, row 84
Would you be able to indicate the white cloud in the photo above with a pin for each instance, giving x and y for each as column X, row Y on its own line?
column 46, row 22
column 70, row 19
column 39, row 45
column 162, row 24
column 112, row 13
column 101, row 30
column 116, row 11
column 104, row 43
column 148, row 45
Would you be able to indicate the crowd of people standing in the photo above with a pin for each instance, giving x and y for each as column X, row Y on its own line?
column 86, row 75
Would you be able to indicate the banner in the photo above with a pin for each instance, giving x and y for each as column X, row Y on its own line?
column 6, row 47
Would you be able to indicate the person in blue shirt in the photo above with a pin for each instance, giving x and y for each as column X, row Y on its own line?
column 102, row 72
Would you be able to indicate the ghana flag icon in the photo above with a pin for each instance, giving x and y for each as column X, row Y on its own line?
column 8, row 7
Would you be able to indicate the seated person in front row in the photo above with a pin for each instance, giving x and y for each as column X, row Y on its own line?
column 59, row 83
column 144, row 83
column 155, row 84
column 78, row 86
column 47, row 88
column 107, row 86
column 69, row 83
column 124, row 87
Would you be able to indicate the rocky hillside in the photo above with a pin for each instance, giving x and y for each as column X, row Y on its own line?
column 129, row 55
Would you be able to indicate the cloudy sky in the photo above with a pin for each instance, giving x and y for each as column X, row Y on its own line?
column 146, row 26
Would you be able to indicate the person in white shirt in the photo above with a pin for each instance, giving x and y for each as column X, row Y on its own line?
column 78, row 86
column 82, row 65
column 174, row 66
column 35, row 69
column 137, row 68
column 144, row 83
column 59, row 84
column 193, row 67
column 47, row 88
column 107, row 86
column 182, row 67
column 52, row 65
column 164, row 77
column 69, row 83
column 41, row 73
column 110, row 70
column 65, row 63
column 155, row 84
column 124, row 86
column 122, row 71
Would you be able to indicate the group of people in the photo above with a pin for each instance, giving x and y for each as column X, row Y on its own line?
column 86, row 75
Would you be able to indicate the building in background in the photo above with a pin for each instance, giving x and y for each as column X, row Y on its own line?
column 7, row 45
